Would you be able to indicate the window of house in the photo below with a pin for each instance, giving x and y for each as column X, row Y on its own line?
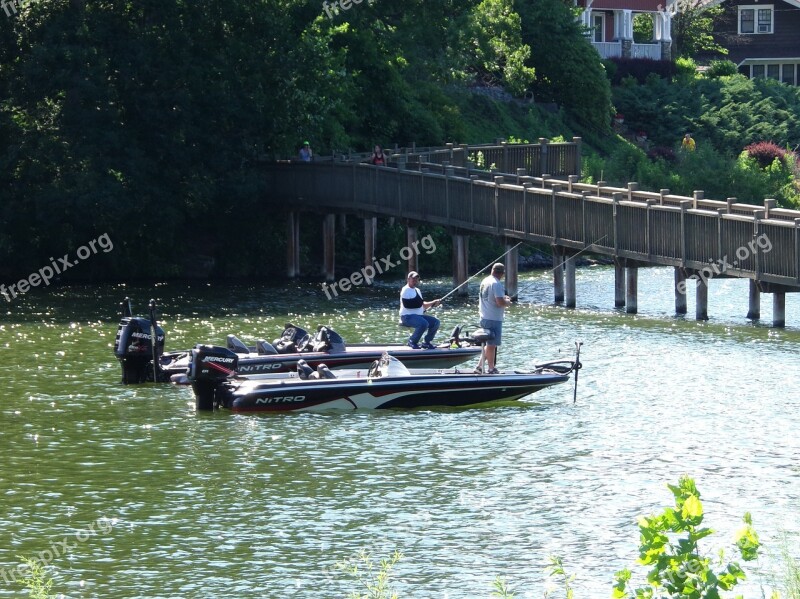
column 774, row 71
column 758, row 71
column 788, row 74
column 598, row 28
column 756, row 19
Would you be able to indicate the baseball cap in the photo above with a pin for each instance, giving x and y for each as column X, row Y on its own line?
column 413, row 275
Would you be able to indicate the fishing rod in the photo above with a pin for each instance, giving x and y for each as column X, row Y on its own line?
column 452, row 291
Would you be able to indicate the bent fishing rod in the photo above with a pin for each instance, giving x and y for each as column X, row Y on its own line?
column 454, row 289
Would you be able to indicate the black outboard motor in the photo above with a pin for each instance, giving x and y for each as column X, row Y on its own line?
column 134, row 349
column 209, row 368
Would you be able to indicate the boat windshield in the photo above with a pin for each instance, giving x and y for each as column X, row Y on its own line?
column 389, row 366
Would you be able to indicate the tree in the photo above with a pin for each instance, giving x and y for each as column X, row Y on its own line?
column 693, row 26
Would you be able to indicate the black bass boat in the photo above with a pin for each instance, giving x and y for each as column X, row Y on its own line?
column 143, row 361
column 387, row 384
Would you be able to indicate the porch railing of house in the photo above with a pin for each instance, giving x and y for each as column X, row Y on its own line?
column 608, row 49
column 651, row 51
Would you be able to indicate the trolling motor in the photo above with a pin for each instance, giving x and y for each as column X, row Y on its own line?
column 565, row 367
column 135, row 349
column 209, row 368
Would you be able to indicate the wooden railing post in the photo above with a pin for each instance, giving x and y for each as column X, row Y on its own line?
column 616, row 197
column 543, row 155
column 578, row 158
column 498, row 181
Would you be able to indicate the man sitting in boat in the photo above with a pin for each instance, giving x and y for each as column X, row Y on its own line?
column 412, row 314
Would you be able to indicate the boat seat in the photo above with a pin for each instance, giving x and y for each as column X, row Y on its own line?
column 236, row 345
column 324, row 372
column 265, row 348
column 304, row 371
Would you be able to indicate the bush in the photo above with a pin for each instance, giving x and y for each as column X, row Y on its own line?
column 765, row 153
column 640, row 68
column 721, row 68
column 662, row 153
column 685, row 68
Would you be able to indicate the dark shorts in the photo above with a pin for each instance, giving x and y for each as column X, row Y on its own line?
column 496, row 327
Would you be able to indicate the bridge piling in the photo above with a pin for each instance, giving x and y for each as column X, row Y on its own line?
column 779, row 309
column 619, row 284
column 632, row 289
column 329, row 247
column 680, row 291
column 293, row 245
column 460, row 263
column 569, row 276
column 754, row 312
column 370, row 234
column 558, row 274
column 411, row 242
column 701, row 299
column 512, row 271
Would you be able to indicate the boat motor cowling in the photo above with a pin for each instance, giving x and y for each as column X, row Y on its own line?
column 133, row 348
column 210, row 366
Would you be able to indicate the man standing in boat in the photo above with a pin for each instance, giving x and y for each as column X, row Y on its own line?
column 412, row 313
column 491, row 307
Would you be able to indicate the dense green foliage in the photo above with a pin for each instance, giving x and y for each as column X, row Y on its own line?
column 147, row 120
column 725, row 115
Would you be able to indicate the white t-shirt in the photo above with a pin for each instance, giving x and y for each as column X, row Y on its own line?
column 412, row 296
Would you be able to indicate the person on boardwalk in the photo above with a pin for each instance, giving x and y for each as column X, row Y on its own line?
column 688, row 143
column 492, row 303
column 412, row 313
column 378, row 158
column 305, row 152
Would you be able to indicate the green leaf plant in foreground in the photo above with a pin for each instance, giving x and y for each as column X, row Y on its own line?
column 677, row 567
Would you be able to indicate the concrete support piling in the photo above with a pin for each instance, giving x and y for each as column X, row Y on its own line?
column 411, row 242
column 680, row 291
column 701, row 299
column 293, row 245
column 370, row 235
column 460, row 263
column 619, row 284
column 512, row 271
column 754, row 311
column 558, row 274
column 632, row 289
column 569, row 280
column 779, row 309
column 329, row 247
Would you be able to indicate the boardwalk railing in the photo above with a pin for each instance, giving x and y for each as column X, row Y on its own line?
column 640, row 226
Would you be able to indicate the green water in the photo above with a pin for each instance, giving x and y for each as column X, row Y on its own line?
column 127, row 492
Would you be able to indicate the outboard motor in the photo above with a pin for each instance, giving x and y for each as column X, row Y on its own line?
column 209, row 368
column 134, row 349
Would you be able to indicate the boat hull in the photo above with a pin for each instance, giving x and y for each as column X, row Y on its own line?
column 354, row 357
column 414, row 391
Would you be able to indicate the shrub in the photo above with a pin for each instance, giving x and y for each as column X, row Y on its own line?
column 661, row 152
column 685, row 68
column 640, row 68
column 611, row 69
column 765, row 153
column 721, row 68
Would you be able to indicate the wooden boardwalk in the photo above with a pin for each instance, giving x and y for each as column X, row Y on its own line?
column 700, row 237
